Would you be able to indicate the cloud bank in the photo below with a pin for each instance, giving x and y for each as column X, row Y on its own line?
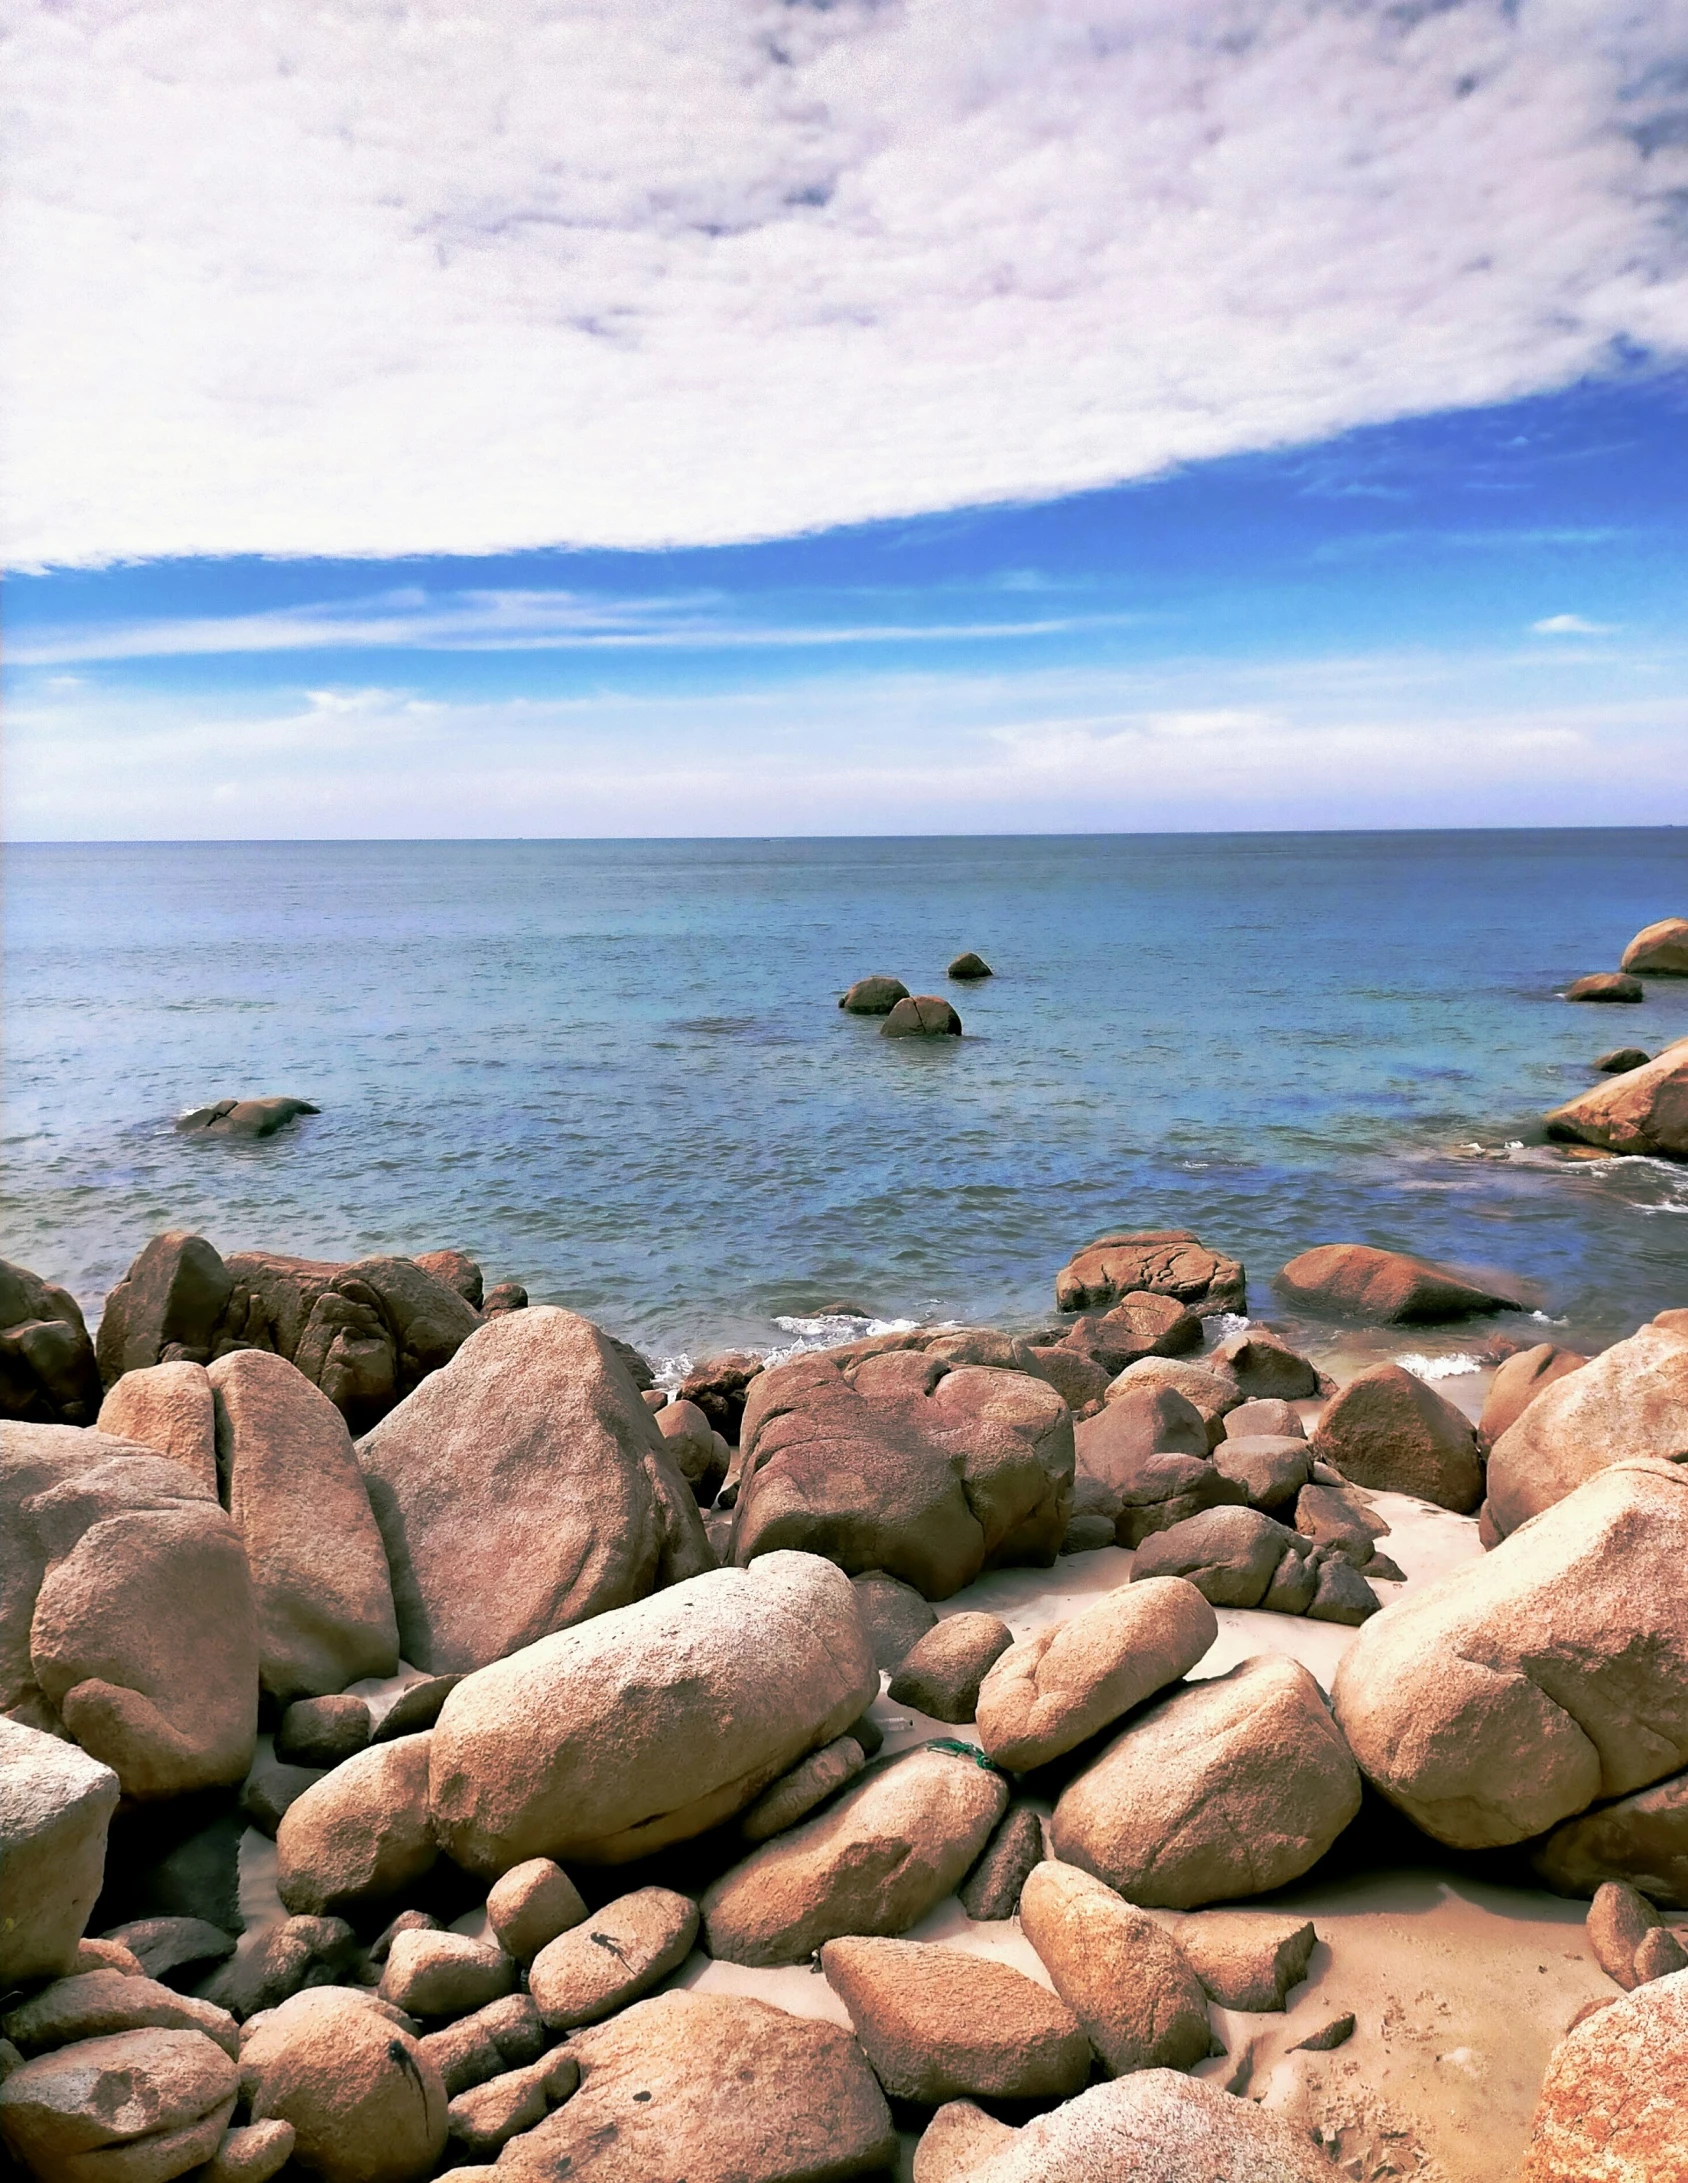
column 398, row 276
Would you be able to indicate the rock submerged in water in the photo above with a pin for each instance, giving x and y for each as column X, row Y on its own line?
column 1619, row 1060
column 1659, row 951
column 244, row 1117
column 1606, row 985
column 921, row 1015
column 875, row 996
column 969, row 966
column 1643, row 1111
column 1164, row 1261
column 1386, row 1288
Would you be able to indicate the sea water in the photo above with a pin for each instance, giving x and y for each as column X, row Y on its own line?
column 617, row 1071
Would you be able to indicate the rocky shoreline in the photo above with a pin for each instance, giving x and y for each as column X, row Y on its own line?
column 427, row 1745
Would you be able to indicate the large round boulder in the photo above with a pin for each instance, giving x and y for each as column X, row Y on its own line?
column 921, row 1015
column 1502, row 1698
column 1613, row 2106
column 523, row 1488
column 650, row 1723
column 1125, row 1978
column 1166, row 1261
column 903, row 1465
column 1642, row 1111
column 1606, row 986
column 1385, row 1288
column 1659, row 951
column 1388, row 1430
column 365, row 2100
column 873, row 996
column 360, row 1833
column 1230, row 1786
column 1521, row 1378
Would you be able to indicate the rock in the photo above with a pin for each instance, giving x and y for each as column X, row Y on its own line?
column 874, row 996
column 930, row 1475
column 1611, row 2107
column 1051, row 1691
column 1235, row 1557
column 719, row 1387
column 504, row 2035
column 48, row 1372
column 142, row 1640
column 1271, row 1468
column 1619, row 1920
column 1502, row 1698
column 490, row 2114
column 894, row 1615
column 941, row 1674
column 55, row 1806
column 322, row 1731
column 504, row 1296
column 138, row 2107
column 1231, row 1786
column 1343, row 1595
column 1142, row 1324
column 167, row 1407
column 810, row 1782
column 1124, row 1977
column 1142, row 1420
column 361, row 1833
column 174, row 1949
column 876, row 1861
column 1630, row 1401
column 175, row 1293
column 1386, row 1288
column 1209, row 1394
column 445, row 1974
column 1079, row 1380
column 1169, row 1261
column 1521, row 1378
column 415, row 1708
column 251, row 2155
column 98, row 2004
column 1641, row 1839
column 1157, row 2123
column 457, row 1270
column 612, row 1957
column 959, row 2138
column 319, row 1572
column 937, row 2023
column 106, row 1955
column 699, row 1451
column 529, row 1453
column 1606, row 985
column 1330, row 2035
column 970, row 965
column 652, row 1723
column 286, row 1959
column 804, row 2103
column 1660, row 1954
column 366, row 2102
column 1264, row 1366
column 921, row 1015
column 1264, row 1417
column 1247, row 1959
column 407, row 1921
column 992, row 1889
column 1339, row 1518
column 1659, row 951
column 271, row 1789
column 1617, row 1059
column 532, row 1904
column 1643, row 1111
column 1388, row 1430
column 979, row 1345
column 244, row 1117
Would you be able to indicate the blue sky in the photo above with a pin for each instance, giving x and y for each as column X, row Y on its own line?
column 733, row 416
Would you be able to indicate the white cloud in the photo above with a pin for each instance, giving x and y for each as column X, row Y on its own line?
column 1572, row 625
column 396, row 276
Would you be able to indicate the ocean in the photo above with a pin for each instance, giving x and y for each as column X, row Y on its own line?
column 616, row 1071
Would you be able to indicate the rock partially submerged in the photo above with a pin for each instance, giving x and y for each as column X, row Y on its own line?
column 1606, row 985
column 1643, row 1111
column 921, row 1015
column 244, row 1117
column 874, row 996
column 1166, row 1261
column 969, row 966
column 1659, row 951
column 1387, row 1288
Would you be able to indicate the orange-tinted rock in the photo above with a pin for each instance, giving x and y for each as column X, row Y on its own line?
column 1521, row 1378
column 921, row 1015
column 1169, row 1261
column 1644, row 1111
column 1388, row 1430
column 1387, row 1288
column 47, row 1367
column 1614, row 2101
column 175, row 1292
column 1606, row 985
column 1659, row 951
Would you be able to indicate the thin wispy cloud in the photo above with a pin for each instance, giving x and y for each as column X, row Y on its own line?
column 1572, row 625
column 385, row 276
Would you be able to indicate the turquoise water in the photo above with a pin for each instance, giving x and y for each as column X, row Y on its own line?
column 616, row 1071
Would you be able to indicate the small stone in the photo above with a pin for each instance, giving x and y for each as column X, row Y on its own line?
column 271, row 1789
column 407, row 1921
column 1659, row 1954
column 531, row 1904
column 1247, row 1960
column 992, row 1889
column 959, row 2138
column 505, row 2035
column 106, row 1955
column 322, row 1731
column 444, row 1974
column 612, row 1958
column 504, row 1296
column 795, row 1795
column 251, row 2155
column 415, row 1708
column 941, row 1674
column 1337, row 2032
column 969, row 965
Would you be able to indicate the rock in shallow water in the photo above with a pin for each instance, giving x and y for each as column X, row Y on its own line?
column 1659, row 951
column 1165, row 1261
column 1643, row 1111
column 921, row 1015
column 1387, row 1288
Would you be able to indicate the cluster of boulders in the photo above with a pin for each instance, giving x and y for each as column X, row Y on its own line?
column 913, row 1015
column 1646, row 1109
column 548, row 1681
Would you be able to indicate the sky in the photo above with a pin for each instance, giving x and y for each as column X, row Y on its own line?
column 890, row 416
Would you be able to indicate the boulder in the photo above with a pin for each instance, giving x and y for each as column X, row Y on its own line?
column 445, row 1974
column 1387, row 1429
column 810, row 1782
column 1341, row 1519
column 489, row 2115
column 504, row 2035
column 1141, row 1324
column 1262, row 1365
column 1125, row 1978
column 1271, row 1468
column 894, row 1615
column 969, row 965
column 652, row 1723
column 98, row 2004
column 244, row 1117
column 612, row 1957
column 1157, row 2124
column 529, row 1455
column 1617, row 1059
column 360, row 1834
column 1169, row 1490
column 1659, row 951
column 293, row 1957
column 1612, row 2106
column 531, row 1904
column 271, row 1789
column 1606, row 985
column 874, row 996
column 1050, row 1692
column 168, row 1407
column 416, row 1707
column 504, row 1296
column 719, row 1387
column 1385, row 1288
column 939, row 2023
column 1264, row 1416
column 1619, row 1920
column 1643, row 1111
column 1630, row 1401
column 1210, row 1394
column 699, row 1451
column 1168, row 1261
column 319, row 1572
column 1660, row 1954
column 1502, row 1698
column 1247, row 1959
column 992, row 1889
column 891, row 1848
column 959, row 2138
column 55, row 1806
column 1641, row 1839
column 1079, row 1380
column 941, row 1673
column 364, row 2099
column 251, row 2155
column 1235, row 1557
column 322, row 1731
column 48, row 1372
column 1520, row 1379
column 804, row 2106
column 174, row 1294
column 138, row 2107
column 175, row 1950
column 457, row 1270
column 1228, row 1787
column 1142, row 1420
column 931, row 1475
column 921, row 1015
